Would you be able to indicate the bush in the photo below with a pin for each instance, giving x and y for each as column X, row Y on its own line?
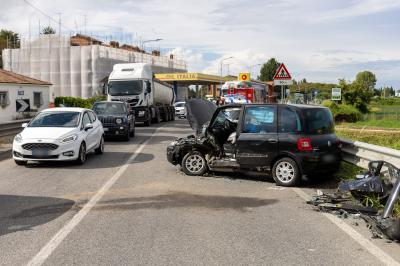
column 77, row 102
column 343, row 112
column 388, row 101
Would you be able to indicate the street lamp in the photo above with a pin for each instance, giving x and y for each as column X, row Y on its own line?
column 220, row 90
column 155, row 40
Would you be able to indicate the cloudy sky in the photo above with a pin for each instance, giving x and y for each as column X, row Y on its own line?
column 317, row 40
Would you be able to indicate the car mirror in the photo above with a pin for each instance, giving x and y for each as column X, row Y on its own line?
column 88, row 126
column 24, row 125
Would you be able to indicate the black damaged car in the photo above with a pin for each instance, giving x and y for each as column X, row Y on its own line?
column 285, row 140
column 117, row 118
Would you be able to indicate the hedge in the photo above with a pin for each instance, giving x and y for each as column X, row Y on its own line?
column 343, row 112
column 77, row 102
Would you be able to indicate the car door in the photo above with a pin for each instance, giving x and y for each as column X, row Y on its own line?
column 257, row 143
column 90, row 137
column 97, row 126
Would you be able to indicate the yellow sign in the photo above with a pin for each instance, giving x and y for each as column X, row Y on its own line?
column 244, row 76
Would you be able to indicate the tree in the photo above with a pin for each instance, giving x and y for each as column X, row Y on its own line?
column 48, row 30
column 268, row 70
column 360, row 92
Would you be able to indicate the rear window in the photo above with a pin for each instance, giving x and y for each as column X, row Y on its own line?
column 318, row 121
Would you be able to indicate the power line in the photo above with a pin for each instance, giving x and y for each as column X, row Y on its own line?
column 46, row 15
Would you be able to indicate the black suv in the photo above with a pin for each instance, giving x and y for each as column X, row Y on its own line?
column 287, row 140
column 117, row 118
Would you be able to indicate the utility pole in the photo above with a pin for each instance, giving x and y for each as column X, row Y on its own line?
column 220, row 89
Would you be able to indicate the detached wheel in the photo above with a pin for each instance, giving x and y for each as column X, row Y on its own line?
column 82, row 154
column 194, row 163
column 286, row 172
column 18, row 162
column 100, row 149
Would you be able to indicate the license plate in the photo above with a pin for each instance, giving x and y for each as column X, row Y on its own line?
column 105, row 129
column 40, row 153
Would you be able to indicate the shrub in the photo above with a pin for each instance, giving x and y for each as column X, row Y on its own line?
column 388, row 101
column 343, row 112
column 77, row 102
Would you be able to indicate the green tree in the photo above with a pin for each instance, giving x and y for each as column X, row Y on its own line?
column 360, row 92
column 268, row 70
column 8, row 39
column 48, row 30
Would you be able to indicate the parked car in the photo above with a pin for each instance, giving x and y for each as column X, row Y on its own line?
column 180, row 109
column 117, row 118
column 59, row 134
column 286, row 140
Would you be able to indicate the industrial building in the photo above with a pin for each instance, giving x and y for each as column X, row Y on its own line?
column 79, row 66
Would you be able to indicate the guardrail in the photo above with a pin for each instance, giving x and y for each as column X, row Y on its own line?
column 11, row 128
column 361, row 153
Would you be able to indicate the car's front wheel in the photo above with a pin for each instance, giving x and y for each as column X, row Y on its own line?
column 194, row 163
column 82, row 154
column 100, row 149
column 18, row 162
column 286, row 172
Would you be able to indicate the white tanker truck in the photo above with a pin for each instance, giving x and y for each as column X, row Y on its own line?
column 151, row 99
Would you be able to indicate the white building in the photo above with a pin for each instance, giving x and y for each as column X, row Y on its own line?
column 21, row 96
column 78, row 66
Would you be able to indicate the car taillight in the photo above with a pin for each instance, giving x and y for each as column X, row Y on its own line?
column 304, row 144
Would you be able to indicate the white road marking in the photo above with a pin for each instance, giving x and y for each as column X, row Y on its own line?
column 48, row 249
column 360, row 239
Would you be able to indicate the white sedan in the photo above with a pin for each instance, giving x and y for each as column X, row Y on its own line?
column 59, row 134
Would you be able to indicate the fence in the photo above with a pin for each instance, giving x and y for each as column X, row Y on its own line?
column 11, row 128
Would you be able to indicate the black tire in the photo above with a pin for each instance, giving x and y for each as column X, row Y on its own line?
column 286, row 172
column 173, row 114
column 82, row 154
column 18, row 162
column 127, row 136
column 100, row 149
column 194, row 163
column 147, row 123
column 158, row 118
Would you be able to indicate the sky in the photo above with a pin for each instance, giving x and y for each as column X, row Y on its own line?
column 321, row 41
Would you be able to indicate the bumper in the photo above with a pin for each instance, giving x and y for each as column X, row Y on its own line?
column 180, row 112
column 314, row 163
column 172, row 155
column 116, row 130
column 64, row 152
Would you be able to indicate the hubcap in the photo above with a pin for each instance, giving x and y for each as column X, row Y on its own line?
column 285, row 172
column 194, row 163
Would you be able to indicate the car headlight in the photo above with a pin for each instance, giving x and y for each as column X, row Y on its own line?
column 69, row 138
column 118, row 121
column 18, row 138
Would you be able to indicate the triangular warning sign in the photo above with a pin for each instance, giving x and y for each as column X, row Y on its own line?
column 282, row 73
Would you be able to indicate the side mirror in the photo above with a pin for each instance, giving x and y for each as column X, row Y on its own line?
column 88, row 126
column 148, row 85
column 24, row 125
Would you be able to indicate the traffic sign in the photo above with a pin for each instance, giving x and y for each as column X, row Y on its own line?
column 244, row 76
column 23, row 105
column 336, row 94
column 283, row 82
column 282, row 73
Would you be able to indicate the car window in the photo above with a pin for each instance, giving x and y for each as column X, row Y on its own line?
column 86, row 119
column 289, row 121
column 92, row 116
column 230, row 114
column 318, row 121
column 180, row 105
column 55, row 119
column 260, row 119
column 109, row 108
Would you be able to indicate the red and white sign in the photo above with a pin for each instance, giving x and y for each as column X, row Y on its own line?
column 282, row 76
column 282, row 73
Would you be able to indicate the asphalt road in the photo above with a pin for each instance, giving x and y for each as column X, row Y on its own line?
column 129, row 206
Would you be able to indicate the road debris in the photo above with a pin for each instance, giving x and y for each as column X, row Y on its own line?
column 362, row 197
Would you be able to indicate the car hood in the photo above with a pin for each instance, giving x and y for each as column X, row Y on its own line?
column 199, row 111
column 47, row 132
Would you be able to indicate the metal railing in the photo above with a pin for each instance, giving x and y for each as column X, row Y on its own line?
column 11, row 128
column 361, row 153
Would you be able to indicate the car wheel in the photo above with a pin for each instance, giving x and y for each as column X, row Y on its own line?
column 127, row 136
column 100, row 149
column 18, row 162
column 194, row 163
column 82, row 154
column 286, row 173
column 148, row 121
column 133, row 131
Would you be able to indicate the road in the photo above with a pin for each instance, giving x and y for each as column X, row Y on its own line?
column 129, row 206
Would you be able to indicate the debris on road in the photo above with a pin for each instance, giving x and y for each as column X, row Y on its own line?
column 363, row 197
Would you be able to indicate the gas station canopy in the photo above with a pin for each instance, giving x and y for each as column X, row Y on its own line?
column 186, row 79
